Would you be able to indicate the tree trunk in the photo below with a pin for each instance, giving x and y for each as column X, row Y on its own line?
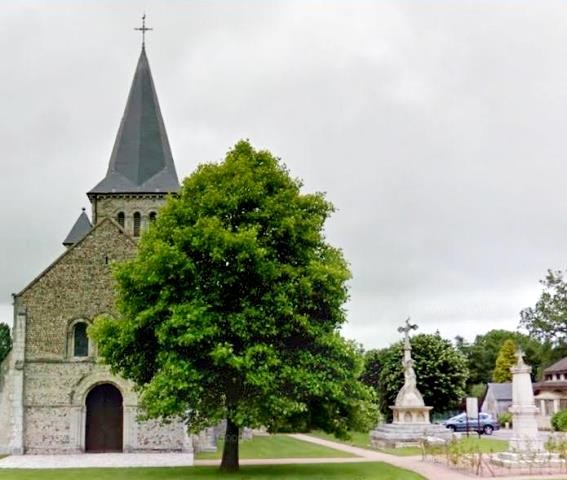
column 229, row 461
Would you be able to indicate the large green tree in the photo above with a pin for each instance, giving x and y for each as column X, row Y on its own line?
column 5, row 341
column 233, row 305
column 505, row 360
column 547, row 320
column 440, row 368
column 482, row 353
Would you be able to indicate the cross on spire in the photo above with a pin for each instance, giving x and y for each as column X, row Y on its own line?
column 143, row 29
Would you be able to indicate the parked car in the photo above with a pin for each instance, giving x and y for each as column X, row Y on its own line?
column 486, row 423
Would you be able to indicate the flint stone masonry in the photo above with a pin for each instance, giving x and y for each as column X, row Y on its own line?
column 6, row 395
column 45, row 412
column 108, row 206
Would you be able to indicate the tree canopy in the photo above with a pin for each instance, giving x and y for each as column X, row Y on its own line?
column 505, row 360
column 440, row 369
column 481, row 354
column 547, row 320
column 232, row 307
column 5, row 341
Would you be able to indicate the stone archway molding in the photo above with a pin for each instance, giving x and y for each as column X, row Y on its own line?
column 87, row 383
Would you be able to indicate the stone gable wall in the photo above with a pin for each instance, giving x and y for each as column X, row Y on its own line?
column 78, row 285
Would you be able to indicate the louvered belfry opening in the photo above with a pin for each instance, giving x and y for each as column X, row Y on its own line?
column 121, row 218
column 137, row 224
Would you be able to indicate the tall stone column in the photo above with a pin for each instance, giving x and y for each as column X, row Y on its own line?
column 524, row 411
column 525, row 449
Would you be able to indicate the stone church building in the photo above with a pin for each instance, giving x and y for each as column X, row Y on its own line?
column 54, row 396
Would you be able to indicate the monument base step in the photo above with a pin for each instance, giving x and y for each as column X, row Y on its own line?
column 398, row 435
column 526, row 459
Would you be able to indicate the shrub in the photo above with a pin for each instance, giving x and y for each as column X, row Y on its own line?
column 559, row 421
column 5, row 341
column 505, row 417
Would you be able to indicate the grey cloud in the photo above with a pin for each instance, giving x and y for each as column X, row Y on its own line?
column 436, row 128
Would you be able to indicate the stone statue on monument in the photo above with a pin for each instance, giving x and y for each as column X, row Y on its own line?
column 407, row 361
column 410, row 422
column 409, row 395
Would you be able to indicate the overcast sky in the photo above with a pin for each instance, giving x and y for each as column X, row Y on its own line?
column 438, row 130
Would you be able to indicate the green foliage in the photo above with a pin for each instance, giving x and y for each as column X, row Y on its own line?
column 482, row 353
column 547, row 320
column 505, row 360
column 372, row 366
column 233, row 305
column 5, row 341
column 440, row 369
column 559, row 421
column 477, row 390
column 505, row 418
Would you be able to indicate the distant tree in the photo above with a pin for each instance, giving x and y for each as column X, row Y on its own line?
column 5, row 341
column 373, row 362
column 547, row 320
column 440, row 368
column 233, row 306
column 505, row 360
column 483, row 351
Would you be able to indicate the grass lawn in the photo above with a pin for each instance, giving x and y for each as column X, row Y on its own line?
column 484, row 443
column 358, row 439
column 345, row 471
column 276, row 446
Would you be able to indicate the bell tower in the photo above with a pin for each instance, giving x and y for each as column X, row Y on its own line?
column 141, row 171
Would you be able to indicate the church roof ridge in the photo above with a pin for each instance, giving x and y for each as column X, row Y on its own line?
column 67, row 251
column 141, row 160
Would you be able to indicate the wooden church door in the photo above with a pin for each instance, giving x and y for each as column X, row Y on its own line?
column 104, row 419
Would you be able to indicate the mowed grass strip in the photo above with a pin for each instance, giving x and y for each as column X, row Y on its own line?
column 338, row 471
column 473, row 443
column 357, row 439
column 276, row 446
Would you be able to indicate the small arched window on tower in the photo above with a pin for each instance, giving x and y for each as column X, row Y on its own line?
column 137, row 224
column 80, row 340
column 153, row 217
column 121, row 218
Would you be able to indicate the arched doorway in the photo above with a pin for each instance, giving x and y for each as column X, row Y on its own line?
column 104, row 419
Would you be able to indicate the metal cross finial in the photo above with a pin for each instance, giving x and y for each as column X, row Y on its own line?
column 143, row 29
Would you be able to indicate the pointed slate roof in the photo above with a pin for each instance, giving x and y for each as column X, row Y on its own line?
column 79, row 231
column 501, row 391
column 141, row 159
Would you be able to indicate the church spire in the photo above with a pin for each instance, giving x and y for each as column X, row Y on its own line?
column 141, row 160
